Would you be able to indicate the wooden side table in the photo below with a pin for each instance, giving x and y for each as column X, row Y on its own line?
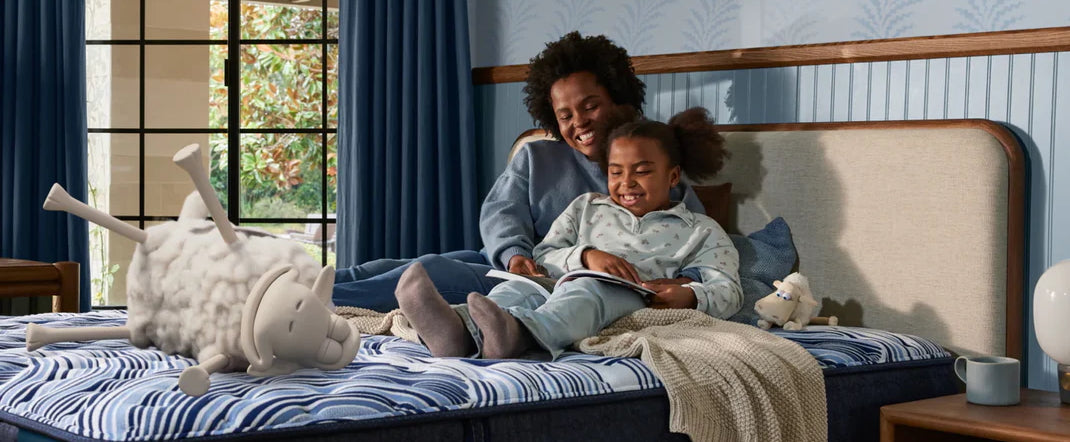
column 1039, row 417
column 19, row 277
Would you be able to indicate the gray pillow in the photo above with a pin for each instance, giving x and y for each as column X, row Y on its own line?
column 764, row 256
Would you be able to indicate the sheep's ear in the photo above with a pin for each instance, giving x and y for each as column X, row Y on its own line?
column 777, row 283
column 324, row 285
column 259, row 353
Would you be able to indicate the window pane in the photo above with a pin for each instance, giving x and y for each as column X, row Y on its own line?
column 332, row 175
column 178, row 19
column 177, row 86
column 166, row 184
column 332, row 19
column 112, row 19
column 309, row 235
column 108, row 264
column 112, row 86
column 281, row 86
column 261, row 20
column 332, row 85
column 113, row 173
column 280, row 175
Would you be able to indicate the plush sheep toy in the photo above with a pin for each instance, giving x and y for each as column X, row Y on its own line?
column 791, row 306
column 234, row 300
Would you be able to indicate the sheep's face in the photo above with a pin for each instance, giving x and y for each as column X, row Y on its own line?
column 292, row 327
column 777, row 307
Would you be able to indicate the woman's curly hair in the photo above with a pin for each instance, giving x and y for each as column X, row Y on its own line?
column 690, row 139
column 574, row 53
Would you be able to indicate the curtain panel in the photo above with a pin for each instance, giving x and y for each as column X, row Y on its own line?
column 43, row 135
column 406, row 149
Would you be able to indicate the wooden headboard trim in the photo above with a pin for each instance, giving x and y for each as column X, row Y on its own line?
column 1026, row 41
column 1016, row 180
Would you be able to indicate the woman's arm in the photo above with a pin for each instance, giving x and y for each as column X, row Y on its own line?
column 505, row 222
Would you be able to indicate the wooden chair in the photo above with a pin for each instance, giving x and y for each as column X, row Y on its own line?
column 20, row 278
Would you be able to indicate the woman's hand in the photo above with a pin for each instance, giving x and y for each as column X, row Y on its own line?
column 522, row 265
column 671, row 296
column 598, row 260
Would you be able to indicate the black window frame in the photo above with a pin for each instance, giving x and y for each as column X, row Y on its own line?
column 233, row 129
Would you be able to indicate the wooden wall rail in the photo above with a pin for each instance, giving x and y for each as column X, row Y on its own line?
column 910, row 48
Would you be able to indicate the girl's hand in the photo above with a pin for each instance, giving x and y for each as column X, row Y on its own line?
column 671, row 296
column 598, row 260
column 522, row 265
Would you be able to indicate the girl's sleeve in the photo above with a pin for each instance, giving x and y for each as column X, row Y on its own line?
column 562, row 249
column 719, row 293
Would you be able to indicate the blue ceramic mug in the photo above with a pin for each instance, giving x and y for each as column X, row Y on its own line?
column 990, row 380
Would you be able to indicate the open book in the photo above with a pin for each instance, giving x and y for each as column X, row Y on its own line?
column 545, row 285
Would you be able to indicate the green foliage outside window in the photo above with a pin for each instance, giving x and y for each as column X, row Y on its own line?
column 280, row 89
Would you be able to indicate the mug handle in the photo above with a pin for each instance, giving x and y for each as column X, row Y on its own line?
column 960, row 367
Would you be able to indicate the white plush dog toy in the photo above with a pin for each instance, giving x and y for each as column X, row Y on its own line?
column 234, row 300
column 791, row 306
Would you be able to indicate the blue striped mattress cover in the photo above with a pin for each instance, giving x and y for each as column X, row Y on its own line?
column 111, row 390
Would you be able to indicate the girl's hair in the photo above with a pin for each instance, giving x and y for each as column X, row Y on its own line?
column 689, row 139
column 574, row 53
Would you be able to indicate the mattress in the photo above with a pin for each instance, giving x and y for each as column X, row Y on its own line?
column 109, row 390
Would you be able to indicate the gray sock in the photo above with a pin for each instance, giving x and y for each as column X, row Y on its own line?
column 438, row 325
column 503, row 335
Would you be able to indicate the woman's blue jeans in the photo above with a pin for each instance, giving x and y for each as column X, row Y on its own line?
column 371, row 285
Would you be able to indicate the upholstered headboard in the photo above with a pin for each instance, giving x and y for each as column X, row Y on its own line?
column 909, row 226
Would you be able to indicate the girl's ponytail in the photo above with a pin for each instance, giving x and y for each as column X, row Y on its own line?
column 702, row 151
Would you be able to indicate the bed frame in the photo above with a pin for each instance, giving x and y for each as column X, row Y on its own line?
column 916, row 227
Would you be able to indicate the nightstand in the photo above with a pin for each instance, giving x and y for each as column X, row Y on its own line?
column 19, row 277
column 1039, row 417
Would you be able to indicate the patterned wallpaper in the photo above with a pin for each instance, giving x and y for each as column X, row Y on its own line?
column 507, row 32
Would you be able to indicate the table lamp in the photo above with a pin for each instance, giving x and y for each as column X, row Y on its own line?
column 1051, row 320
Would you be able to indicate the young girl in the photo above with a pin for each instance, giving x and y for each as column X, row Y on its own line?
column 636, row 232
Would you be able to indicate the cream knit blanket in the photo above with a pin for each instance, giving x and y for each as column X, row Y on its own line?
column 725, row 381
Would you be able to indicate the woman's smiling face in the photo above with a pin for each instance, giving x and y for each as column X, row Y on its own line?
column 584, row 111
column 640, row 176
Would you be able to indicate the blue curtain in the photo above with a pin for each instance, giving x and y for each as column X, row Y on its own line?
column 406, row 149
column 43, row 136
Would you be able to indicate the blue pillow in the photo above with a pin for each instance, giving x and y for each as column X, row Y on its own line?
column 764, row 256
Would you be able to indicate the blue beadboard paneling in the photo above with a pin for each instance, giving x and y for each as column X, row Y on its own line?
column 917, row 71
column 955, row 95
column 1040, row 131
column 936, row 88
column 1030, row 93
column 998, row 87
column 806, row 93
column 1060, row 171
column 878, row 91
column 859, row 101
column 823, row 91
column 896, row 90
column 841, row 92
column 977, row 87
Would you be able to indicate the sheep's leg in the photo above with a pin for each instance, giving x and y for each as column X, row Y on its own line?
column 59, row 199
column 195, row 381
column 38, row 336
column 189, row 159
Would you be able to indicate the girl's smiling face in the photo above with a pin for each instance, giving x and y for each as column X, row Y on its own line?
column 640, row 176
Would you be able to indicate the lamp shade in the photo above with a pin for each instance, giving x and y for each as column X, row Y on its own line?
column 1051, row 312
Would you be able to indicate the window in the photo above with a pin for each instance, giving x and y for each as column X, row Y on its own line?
column 161, row 74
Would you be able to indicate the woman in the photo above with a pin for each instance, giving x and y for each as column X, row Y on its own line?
column 578, row 88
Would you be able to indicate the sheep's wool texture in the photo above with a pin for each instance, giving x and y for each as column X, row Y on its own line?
column 186, row 287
